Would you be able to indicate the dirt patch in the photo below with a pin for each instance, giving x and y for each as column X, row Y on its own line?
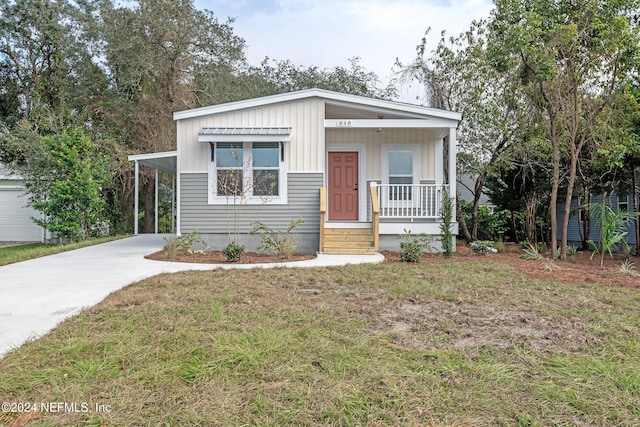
column 469, row 326
column 577, row 270
column 217, row 257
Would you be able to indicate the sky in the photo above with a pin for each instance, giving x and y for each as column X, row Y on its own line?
column 327, row 33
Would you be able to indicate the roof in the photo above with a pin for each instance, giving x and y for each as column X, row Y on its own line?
column 165, row 161
column 332, row 98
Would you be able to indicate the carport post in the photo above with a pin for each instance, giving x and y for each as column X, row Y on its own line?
column 173, row 203
column 156, row 206
column 135, row 202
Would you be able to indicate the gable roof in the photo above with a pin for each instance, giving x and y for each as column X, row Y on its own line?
column 402, row 109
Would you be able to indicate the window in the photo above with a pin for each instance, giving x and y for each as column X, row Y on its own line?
column 229, row 167
column 252, row 170
column 400, row 172
column 623, row 204
column 400, row 169
column 266, row 166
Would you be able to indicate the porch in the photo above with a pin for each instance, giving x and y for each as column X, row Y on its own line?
column 392, row 208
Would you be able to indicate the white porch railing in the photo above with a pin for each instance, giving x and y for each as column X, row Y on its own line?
column 410, row 201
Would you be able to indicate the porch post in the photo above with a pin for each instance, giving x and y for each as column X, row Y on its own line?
column 135, row 202
column 439, row 162
column 453, row 147
column 156, row 202
column 173, row 203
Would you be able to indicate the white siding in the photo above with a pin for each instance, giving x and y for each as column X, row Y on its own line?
column 374, row 140
column 305, row 152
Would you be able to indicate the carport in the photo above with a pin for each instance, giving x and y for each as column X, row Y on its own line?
column 161, row 162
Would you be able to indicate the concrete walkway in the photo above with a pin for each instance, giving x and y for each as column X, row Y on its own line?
column 36, row 295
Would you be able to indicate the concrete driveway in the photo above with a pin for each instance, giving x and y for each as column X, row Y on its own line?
column 36, row 295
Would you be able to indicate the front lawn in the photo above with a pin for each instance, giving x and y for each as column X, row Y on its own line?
column 11, row 254
column 471, row 343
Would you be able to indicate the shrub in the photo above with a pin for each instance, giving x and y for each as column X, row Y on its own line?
column 531, row 251
column 482, row 248
column 233, row 252
column 186, row 241
column 412, row 248
column 445, row 226
column 279, row 242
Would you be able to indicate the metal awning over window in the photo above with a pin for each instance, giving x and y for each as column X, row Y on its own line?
column 244, row 134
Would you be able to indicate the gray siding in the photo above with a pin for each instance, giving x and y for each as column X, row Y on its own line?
column 573, row 232
column 216, row 220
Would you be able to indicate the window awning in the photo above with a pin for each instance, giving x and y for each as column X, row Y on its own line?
column 244, row 134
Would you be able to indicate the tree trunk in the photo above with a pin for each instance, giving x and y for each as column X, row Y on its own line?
column 567, row 204
column 555, row 184
column 462, row 224
column 477, row 193
column 634, row 191
column 530, row 219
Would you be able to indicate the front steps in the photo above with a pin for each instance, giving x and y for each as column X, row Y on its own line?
column 348, row 241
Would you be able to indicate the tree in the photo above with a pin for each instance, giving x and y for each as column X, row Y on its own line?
column 161, row 56
column 64, row 177
column 44, row 64
column 284, row 76
column 459, row 75
column 571, row 57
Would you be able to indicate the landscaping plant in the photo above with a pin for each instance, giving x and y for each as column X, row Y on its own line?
column 412, row 248
column 445, row 225
column 282, row 243
column 613, row 229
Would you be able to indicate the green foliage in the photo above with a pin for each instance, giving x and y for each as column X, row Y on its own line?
column 64, row 178
column 482, row 247
column 184, row 243
column 531, row 251
column 279, row 242
column 446, row 212
column 492, row 225
column 627, row 267
column 613, row 228
column 233, row 252
column 412, row 247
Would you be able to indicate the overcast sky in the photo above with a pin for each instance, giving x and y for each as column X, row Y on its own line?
column 328, row 33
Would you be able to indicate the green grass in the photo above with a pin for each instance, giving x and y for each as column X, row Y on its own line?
column 11, row 254
column 462, row 344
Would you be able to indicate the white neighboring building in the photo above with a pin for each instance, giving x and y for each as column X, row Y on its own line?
column 16, row 224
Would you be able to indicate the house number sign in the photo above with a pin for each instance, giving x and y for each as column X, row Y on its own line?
column 343, row 123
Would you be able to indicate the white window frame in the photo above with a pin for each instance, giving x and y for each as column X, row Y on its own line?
column 247, row 173
column 415, row 155
column 414, row 148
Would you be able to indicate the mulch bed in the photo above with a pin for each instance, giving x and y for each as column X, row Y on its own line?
column 579, row 269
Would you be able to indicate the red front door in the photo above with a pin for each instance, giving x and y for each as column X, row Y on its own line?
column 343, row 185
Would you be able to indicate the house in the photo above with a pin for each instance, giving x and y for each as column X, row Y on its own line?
column 358, row 170
column 16, row 224
column 576, row 220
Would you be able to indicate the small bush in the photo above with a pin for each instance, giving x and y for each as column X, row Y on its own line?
column 627, row 267
column 482, row 248
column 186, row 241
column 233, row 252
column 445, row 226
column 531, row 251
column 279, row 242
column 412, row 248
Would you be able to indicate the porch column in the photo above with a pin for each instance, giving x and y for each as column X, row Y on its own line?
column 135, row 202
column 439, row 162
column 453, row 147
